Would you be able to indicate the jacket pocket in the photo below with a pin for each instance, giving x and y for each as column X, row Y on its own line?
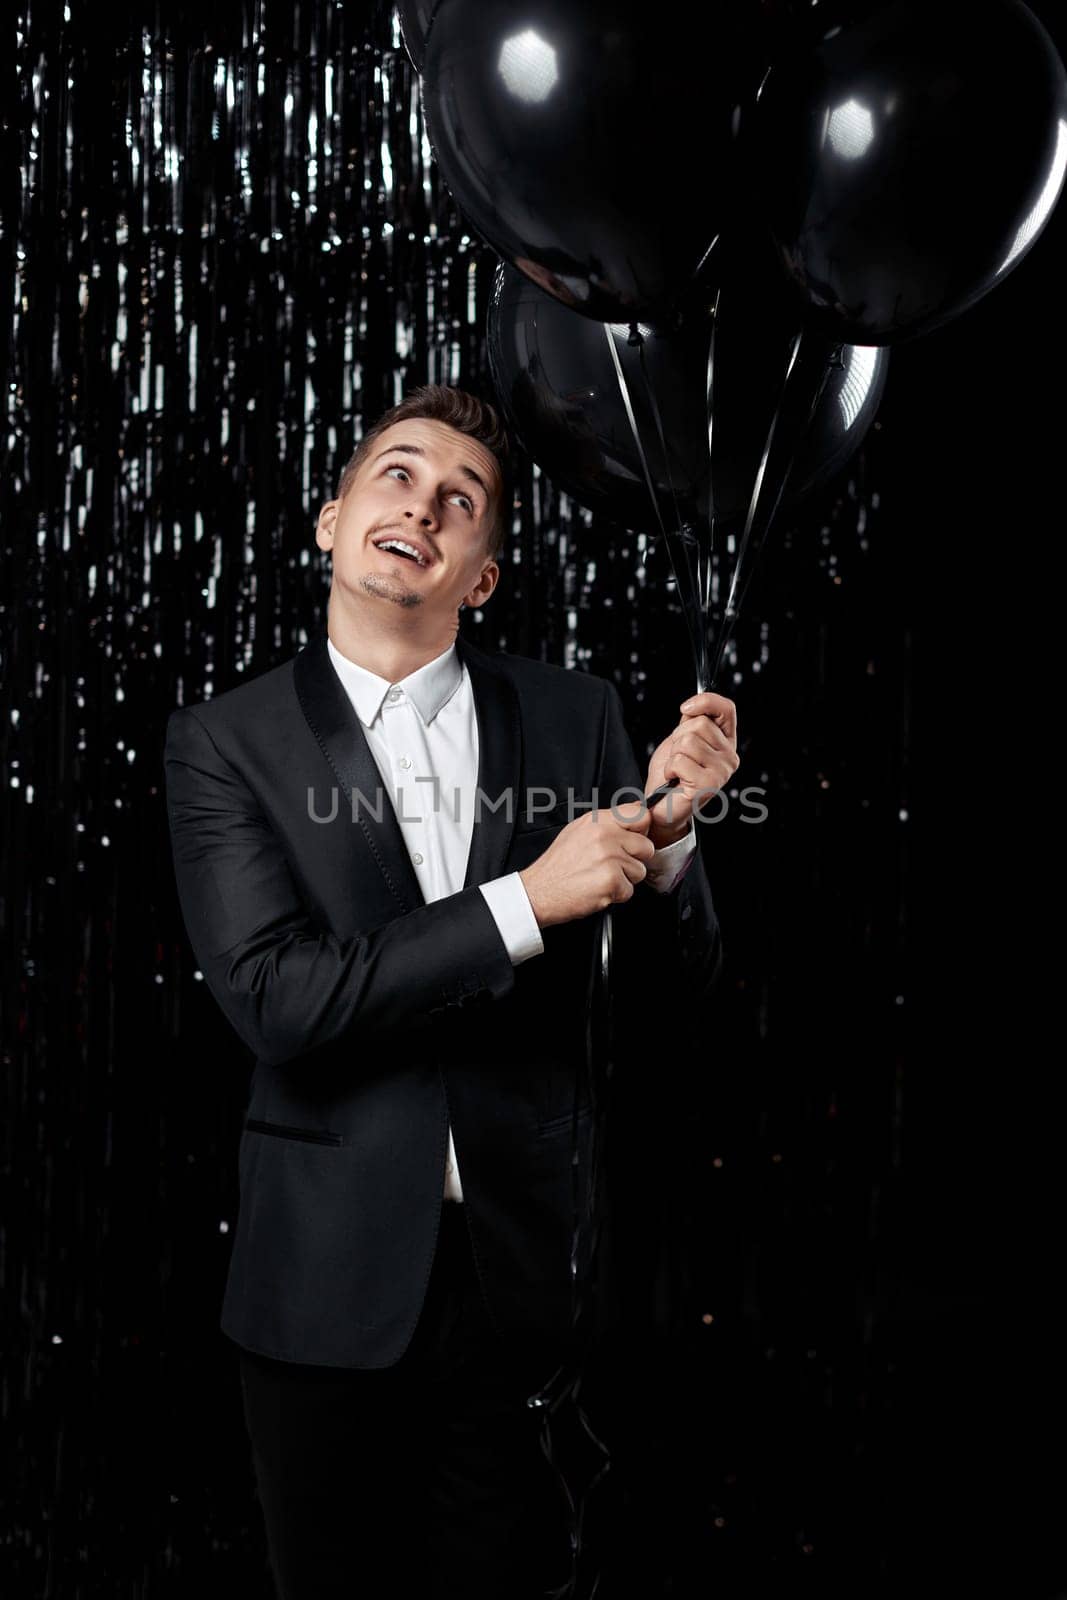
column 554, row 1124
column 282, row 1130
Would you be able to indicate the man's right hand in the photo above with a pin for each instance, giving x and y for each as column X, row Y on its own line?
column 594, row 862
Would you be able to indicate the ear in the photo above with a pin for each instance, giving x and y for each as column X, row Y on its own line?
column 484, row 587
column 325, row 525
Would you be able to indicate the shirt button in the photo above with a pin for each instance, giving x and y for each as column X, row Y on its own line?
column 417, row 859
column 404, row 761
column 393, row 696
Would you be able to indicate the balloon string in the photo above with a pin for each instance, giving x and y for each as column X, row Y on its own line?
column 807, row 370
column 706, row 547
column 565, row 1382
column 702, row 263
column 699, row 612
column 637, row 339
column 687, row 591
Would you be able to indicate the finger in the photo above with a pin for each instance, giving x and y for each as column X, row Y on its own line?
column 719, row 737
column 722, row 711
column 684, row 768
column 708, row 703
column 702, row 746
column 637, row 844
column 631, row 814
column 635, row 870
column 699, row 775
column 707, row 727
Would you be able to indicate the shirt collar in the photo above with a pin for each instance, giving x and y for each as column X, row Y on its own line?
column 429, row 687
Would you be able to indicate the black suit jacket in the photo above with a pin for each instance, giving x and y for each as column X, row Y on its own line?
column 375, row 1018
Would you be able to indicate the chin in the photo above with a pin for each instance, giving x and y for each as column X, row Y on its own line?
column 385, row 589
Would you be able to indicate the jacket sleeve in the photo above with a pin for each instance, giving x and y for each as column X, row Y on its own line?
column 287, row 987
column 668, row 944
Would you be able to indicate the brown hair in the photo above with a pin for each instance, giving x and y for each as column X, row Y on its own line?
column 467, row 414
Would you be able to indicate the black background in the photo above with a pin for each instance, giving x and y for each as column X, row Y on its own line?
column 864, row 1189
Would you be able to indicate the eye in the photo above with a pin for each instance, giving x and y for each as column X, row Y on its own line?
column 394, row 466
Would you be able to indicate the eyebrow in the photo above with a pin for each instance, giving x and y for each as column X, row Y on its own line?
column 417, row 450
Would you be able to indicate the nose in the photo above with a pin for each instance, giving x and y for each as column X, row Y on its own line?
column 426, row 514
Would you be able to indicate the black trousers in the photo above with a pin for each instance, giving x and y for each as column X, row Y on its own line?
column 427, row 1473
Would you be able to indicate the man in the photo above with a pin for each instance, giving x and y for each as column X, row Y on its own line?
column 388, row 852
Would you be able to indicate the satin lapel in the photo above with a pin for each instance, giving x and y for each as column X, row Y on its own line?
column 499, row 763
column 332, row 718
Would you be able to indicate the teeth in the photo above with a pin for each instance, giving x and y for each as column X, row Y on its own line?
column 400, row 545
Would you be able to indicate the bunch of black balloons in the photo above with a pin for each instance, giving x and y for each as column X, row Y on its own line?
column 858, row 172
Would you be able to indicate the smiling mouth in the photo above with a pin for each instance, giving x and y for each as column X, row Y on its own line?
column 395, row 547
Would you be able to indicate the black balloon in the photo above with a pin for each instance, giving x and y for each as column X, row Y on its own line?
column 591, row 145
column 415, row 18
column 908, row 162
column 559, row 390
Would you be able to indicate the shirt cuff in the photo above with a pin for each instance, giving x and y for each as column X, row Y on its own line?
column 513, row 914
column 669, row 866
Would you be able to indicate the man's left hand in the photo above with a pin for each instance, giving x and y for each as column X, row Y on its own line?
column 702, row 753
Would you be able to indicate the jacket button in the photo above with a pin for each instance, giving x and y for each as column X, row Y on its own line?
column 687, row 912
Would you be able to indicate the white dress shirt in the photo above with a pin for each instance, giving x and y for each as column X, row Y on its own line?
column 424, row 728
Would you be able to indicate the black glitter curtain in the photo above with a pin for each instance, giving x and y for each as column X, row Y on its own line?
column 225, row 250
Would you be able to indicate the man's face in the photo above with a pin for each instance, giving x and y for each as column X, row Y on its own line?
column 435, row 489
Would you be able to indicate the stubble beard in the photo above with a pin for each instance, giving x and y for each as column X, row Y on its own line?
column 376, row 583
